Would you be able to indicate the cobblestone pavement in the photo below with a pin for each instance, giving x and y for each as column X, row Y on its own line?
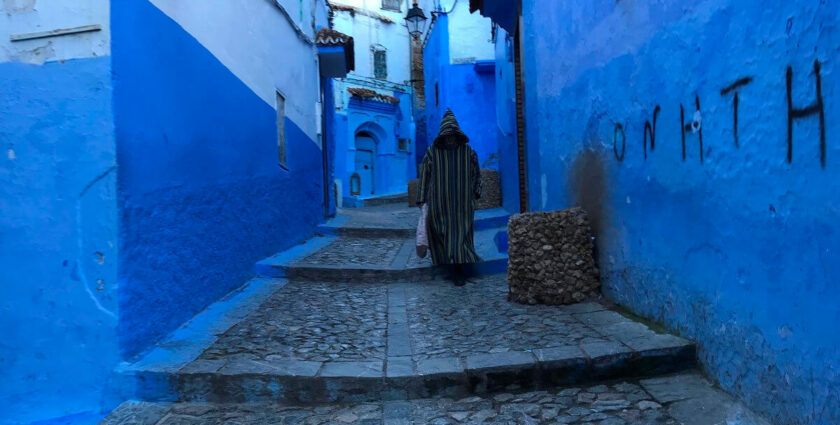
column 390, row 216
column 476, row 319
column 356, row 252
column 678, row 399
column 349, row 322
column 311, row 321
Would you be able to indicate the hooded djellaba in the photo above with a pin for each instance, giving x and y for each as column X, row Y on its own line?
column 450, row 183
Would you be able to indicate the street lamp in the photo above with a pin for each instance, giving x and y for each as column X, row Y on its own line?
column 415, row 19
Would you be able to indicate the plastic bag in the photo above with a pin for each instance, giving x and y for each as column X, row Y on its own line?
column 422, row 237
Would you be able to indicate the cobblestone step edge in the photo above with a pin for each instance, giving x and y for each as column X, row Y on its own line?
column 338, row 227
column 352, row 382
column 357, row 274
column 397, row 198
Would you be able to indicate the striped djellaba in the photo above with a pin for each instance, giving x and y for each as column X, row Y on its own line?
column 450, row 183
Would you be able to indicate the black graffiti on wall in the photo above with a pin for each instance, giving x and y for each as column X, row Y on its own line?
column 650, row 130
column 694, row 126
column 619, row 132
column 734, row 87
column 813, row 109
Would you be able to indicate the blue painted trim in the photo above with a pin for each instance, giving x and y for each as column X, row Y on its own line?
column 333, row 226
column 491, row 219
column 330, row 49
column 276, row 266
column 485, row 67
column 372, row 105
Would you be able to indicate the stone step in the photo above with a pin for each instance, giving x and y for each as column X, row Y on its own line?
column 356, row 202
column 686, row 398
column 365, row 260
column 400, row 378
column 398, row 222
column 306, row 342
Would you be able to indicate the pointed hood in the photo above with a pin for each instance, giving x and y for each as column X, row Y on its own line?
column 449, row 127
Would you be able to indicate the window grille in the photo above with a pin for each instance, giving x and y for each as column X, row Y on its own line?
column 380, row 65
column 391, row 5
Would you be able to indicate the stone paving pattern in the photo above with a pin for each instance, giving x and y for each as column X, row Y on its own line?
column 310, row 321
column 390, row 216
column 678, row 399
column 349, row 322
column 477, row 319
column 379, row 252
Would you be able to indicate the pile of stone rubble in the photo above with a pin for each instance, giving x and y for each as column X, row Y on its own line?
column 551, row 258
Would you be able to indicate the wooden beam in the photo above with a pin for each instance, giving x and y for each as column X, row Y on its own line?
column 55, row 33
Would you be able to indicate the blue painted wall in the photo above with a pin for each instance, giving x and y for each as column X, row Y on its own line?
column 329, row 140
column 738, row 250
column 506, row 121
column 202, row 197
column 435, row 62
column 58, row 238
column 387, row 123
column 470, row 94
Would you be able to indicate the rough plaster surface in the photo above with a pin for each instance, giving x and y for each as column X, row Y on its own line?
column 735, row 251
column 30, row 16
column 201, row 195
column 58, row 238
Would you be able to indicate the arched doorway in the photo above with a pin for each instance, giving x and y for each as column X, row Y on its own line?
column 365, row 162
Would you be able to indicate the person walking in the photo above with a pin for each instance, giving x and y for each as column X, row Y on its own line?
column 450, row 183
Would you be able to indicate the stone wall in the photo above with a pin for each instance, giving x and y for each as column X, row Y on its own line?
column 551, row 258
column 491, row 191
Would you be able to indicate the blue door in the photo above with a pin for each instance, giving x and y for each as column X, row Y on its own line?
column 365, row 158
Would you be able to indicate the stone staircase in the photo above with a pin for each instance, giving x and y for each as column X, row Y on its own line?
column 376, row 244
column 352, row 327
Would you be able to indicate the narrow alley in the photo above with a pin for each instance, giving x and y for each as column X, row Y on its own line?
column 411, row 212
column 362, row 332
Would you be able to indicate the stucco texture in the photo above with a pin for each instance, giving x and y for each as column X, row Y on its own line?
column 202, row 197
column 469, row 93
column 735, row 248
column 58, row 238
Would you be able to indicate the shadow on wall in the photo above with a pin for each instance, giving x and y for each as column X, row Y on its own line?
column 588, row 189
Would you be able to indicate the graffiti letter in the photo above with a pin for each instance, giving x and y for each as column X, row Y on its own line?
column 812, row 109
column 734, row 86
column 651, row 131
column 694, row 126
column 619, row 131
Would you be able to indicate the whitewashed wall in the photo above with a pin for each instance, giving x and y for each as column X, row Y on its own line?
column 368, row 31
column 32, row 16
column 470, row 38
column 255, row 41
